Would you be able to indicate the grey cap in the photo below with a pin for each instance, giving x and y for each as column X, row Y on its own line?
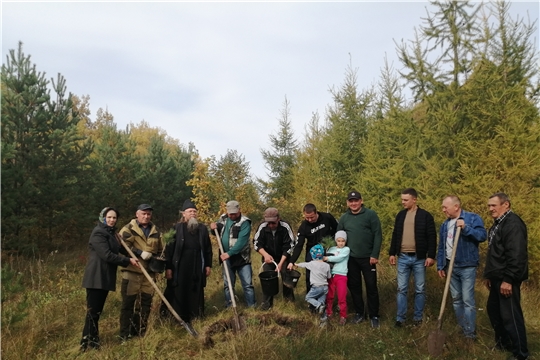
column 233, row 207
column 271, row 214
column 145, row 207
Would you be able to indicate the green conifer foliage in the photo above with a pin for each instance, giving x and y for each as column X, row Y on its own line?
column 44, row 159
column 280, row 162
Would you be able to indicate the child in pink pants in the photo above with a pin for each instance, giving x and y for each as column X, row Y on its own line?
column 338, row 282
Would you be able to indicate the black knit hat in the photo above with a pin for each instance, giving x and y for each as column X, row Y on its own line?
column 188, row 204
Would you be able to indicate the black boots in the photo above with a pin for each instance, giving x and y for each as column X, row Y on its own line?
column 89, row 342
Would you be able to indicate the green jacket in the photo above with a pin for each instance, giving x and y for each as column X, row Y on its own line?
column 364, row 233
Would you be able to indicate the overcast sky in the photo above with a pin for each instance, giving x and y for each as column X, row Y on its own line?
column 214, row 74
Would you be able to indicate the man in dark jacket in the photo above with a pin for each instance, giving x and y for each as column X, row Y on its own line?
column 413, row 247
column 364, row 238
column 316, row 226
column 275, row 241
column 466, row 260
column 189, row 263
column 506, row 267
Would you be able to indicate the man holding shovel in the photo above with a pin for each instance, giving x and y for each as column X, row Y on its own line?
column 235, row 229
column 466, row 259
column 144, row 240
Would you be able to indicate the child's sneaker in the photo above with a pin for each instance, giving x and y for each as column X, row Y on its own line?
column 342, row 321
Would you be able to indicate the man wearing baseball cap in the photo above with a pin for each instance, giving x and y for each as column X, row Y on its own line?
column 364, row 238
column 275, row 241
column 144, row 239
column 234, row 229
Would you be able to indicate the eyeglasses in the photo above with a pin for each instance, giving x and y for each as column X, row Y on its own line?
column 271, row 223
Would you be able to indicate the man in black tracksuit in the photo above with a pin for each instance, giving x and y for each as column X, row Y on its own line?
column 506, row 267
column 274, row 240
column 316, row 226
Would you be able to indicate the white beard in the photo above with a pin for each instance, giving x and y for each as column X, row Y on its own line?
column 193, row 225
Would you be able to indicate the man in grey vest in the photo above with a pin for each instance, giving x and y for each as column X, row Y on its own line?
column 234, row 230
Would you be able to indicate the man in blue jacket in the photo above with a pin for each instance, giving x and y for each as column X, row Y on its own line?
column 466, row 260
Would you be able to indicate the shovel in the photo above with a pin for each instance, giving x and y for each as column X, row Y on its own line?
column 437, row 337
column 230, row 285
column 188, row 327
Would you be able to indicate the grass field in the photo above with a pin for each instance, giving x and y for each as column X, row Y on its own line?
column 43, row 308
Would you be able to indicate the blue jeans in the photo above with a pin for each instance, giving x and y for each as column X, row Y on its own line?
column 407, row 265
column 316, row 296
column 245, row 275
column 462, row 290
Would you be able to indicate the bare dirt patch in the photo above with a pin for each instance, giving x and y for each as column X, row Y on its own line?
column 270, row 323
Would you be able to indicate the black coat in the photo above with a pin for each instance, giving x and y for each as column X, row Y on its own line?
column 278, row 245
column 173, row 251
column 103, row 259
column 507, row 257
column 313, row 233
column 425, row 234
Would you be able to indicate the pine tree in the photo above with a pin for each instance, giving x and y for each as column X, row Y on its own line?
column 43, row 167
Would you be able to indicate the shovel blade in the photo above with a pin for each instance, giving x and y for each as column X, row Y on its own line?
column 436, row 341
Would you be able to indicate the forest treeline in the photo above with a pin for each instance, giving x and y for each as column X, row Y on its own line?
column 460, row 116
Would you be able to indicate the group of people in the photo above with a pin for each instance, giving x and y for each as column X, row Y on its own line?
column 414, row 247
column 329, row 272
column 188, row 262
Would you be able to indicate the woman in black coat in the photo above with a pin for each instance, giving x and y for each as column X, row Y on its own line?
column 100, row 273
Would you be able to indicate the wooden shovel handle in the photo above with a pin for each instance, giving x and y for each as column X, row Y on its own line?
column 229, row 284
column 189, row 329
column 448, row 277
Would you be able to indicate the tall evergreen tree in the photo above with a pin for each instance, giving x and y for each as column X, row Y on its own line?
column 280, row 162
column 233, row 181
column 346, row 129
column 163, row 177
column 44, row 159
column 313, row 177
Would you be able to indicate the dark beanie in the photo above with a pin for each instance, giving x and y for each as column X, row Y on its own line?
column 188, row 204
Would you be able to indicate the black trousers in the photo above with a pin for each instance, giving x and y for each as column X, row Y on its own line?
column 134, row 313
column 358, row 267
column 95, row 301
column 507, row 319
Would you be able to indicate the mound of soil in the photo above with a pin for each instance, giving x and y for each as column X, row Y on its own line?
column 271, row 323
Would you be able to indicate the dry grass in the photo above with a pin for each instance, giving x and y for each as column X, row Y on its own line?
column 51, row 303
